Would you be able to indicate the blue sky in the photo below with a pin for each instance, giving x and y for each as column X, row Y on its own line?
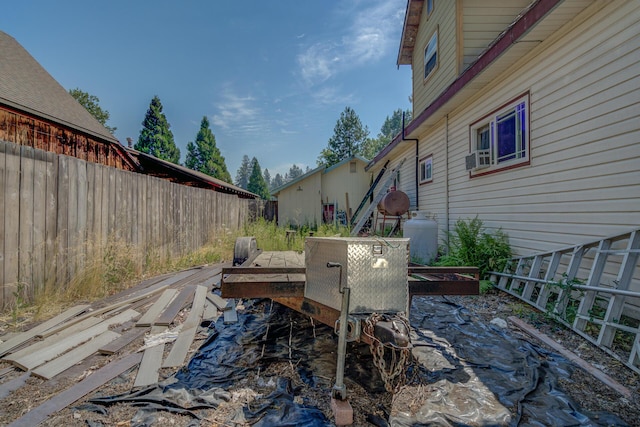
column 271, row 76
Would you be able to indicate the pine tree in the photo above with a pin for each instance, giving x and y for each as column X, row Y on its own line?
column 391, row 127
column 244, row 171
column 277, row 181
column 348, row 137
column 204, row 156
column 294, row 172
column 267, row 178
column 256, row 181
column 156, row 137
column 92, row 104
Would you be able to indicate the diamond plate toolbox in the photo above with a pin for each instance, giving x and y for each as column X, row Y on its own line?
column 375, row 270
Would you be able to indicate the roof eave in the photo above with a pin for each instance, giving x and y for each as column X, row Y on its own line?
column 505, row 40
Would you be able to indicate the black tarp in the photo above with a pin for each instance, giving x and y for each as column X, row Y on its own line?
column 464, row 372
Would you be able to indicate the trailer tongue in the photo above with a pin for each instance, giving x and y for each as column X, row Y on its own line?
column 360, row 286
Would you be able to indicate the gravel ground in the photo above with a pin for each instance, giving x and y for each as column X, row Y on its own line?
column 369, row 407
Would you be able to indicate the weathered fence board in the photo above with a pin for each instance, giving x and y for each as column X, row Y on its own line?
column 58, row 213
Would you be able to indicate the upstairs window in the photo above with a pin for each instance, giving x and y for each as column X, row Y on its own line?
column 429, row 7
column 425, row 170
column 431, row 56
column 501, row 140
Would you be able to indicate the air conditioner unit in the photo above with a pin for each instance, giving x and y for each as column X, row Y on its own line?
column 479, row 159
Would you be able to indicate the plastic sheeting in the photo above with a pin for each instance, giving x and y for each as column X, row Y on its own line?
column 464, row 372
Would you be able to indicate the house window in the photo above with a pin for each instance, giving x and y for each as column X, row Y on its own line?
column 352, row 167
column 425, row 168
column 429, row 7
column 431, row 55
column 501, row 139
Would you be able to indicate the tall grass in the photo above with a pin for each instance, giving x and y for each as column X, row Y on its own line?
column 107, row 268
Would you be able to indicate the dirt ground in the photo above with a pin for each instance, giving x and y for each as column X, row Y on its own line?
column 369, row 408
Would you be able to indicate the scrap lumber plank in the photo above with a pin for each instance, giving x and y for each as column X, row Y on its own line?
column 14, row 342
column 149, row 366
column 39, row 414
column 78, row 354
column 53, row 339
column 111, row 307
column 230, row 314
column 150, row 316
column 13, row 385
column 124, row 340
column 218, row 301
column 33, row 360
column 181, row 346
column 172, row 310
column 571, row 356
column 210, row 311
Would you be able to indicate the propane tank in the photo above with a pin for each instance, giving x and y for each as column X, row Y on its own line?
column 422, row 230
column 394, row 203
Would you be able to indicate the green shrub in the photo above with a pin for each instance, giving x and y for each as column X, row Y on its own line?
column 470, row 245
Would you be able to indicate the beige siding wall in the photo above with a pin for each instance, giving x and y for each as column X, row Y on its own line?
column 443, row 18
column 584, row 179
column 341, row 181
column 301, row 207
column 482, row 22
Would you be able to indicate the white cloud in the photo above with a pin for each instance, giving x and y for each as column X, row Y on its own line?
column 370, row 34
column 235, row 110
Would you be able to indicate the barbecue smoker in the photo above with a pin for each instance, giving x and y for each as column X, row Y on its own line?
column 360, row 286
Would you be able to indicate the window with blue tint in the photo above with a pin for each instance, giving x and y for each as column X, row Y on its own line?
column 500, row 139
column 425, row 167
column 431, row 55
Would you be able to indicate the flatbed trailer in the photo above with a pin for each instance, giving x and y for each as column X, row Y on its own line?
column 361, row 287
column 280, row 275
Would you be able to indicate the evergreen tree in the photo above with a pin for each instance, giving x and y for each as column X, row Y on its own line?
column 204, row 156
column 391, row 127
column 244, row 172
column 294, row 172
column 277, row 181
column 156, row 137
column 256, row 181
column 348, row 137
column 267, row 178
column 92, row 104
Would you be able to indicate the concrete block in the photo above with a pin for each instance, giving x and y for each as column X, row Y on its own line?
column 342, row 412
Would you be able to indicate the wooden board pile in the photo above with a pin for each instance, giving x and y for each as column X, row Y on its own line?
column 158, row 313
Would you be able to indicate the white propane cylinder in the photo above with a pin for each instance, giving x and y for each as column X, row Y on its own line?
column 422, row 231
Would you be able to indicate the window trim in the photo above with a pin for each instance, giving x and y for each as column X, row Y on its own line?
column 423, row 161
column 437, row 49
column 433, row 6
column 490, row 118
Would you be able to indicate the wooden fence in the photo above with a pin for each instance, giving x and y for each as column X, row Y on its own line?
column 54, row 209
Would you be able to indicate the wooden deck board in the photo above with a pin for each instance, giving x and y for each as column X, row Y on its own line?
column 172, row 310
column 33, row 360
column 20, row 339
column 39, row 414
column 149, row 366
column 124, row 340
column 150, row 316
column 78, row 354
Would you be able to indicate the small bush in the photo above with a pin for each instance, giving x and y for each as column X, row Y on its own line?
column 470, row 245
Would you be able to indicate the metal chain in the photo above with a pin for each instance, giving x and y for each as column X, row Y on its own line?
column 393, row 373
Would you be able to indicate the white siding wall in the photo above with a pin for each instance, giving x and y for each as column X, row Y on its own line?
column 482, row 22
column 339, row 181
column 584, row 177
column 301, row 207
column 443, row 18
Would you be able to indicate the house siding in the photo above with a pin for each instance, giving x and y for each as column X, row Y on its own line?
column 583, row 180
column 341, row 181
column 301, row 207
column 443, row 18
column 482, row 22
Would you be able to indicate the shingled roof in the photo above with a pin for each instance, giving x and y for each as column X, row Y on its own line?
column 26, row 86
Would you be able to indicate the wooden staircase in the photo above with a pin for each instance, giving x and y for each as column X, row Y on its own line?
column 588, row 288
